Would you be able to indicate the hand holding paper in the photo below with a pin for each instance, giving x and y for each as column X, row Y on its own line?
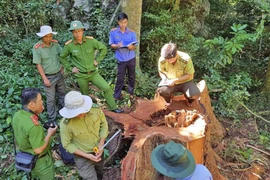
column 167, row 82
column 131, row 43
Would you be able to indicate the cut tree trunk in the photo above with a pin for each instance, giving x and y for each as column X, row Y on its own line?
column 146, row 128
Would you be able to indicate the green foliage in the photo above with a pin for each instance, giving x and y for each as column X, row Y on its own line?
column 145, row 85
column 230, row 53
column 162, row 26
column 234, row 91
column 222, row 50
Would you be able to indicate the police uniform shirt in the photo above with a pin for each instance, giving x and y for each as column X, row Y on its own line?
column 47, row 57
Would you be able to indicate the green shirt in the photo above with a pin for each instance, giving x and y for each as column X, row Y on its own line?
column 182, row 66
column 84, row 133
column 47, row 57
column 82, row 55
column 28, row 135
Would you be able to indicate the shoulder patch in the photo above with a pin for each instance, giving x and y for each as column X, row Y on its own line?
column 37, row 45
column 95, row 105
column 113, row 29
column 68, row 42
column 34, row 119
column 89, row 37
column 54, row 40
column 65, row 121
column 161, row 60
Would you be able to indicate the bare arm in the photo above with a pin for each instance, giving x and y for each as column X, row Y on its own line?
column 132, row 47
column 87, row 156
column 43, row 76
column 116, row 46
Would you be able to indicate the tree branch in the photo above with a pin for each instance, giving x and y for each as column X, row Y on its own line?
column 260, row 117
column 258, row 149
column 114, row 14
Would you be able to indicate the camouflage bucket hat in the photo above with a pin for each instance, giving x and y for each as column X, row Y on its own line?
column 76, row 25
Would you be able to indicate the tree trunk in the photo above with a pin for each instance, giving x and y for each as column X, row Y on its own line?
column 176, row 4
column 134, row 11
column 146, row 128
column 267, row 79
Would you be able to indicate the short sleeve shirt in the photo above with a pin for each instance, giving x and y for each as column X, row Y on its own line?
column 127, row 37
column 28, row 135
column 200, row 173
column 47, row 57
column 182, row 66
column 84, row 133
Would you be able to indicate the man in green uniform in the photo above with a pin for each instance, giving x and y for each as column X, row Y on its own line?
column 85, row 129
column 29, row 133
column 83, row 62
column 176, row 71
column 46, row 58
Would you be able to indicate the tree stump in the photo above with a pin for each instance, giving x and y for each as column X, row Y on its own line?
column 151, row 124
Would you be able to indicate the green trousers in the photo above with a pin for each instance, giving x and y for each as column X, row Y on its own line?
column 96, row 79
column 44, row 168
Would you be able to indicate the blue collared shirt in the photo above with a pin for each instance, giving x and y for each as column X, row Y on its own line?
column 123, row 54
column 200, row 173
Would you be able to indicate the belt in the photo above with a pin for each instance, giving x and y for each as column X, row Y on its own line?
column 89, row 72
column 52, row 74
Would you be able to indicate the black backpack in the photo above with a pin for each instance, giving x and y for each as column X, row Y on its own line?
column 67, row 157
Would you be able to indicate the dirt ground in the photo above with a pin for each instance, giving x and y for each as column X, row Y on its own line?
column 242, row 162
column 236, row 161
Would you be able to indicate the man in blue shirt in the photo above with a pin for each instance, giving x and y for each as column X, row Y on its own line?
column 175, row 161
column 123, row 41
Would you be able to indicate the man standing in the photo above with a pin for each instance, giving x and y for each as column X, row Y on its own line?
column 46, row 57
column 81, row 52
column 85, row 129
column 29, row 133
column 175, row 161
column 123, row 41
column 176, row 71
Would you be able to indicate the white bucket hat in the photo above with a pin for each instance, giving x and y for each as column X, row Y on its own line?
column 44, row 30
column 75, row 104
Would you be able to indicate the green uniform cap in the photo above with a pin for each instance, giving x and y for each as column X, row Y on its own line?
column 76, row 25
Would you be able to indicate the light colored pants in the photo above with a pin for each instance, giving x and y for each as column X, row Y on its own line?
column 89, row 170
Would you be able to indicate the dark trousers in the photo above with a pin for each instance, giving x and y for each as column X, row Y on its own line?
column 189, row 89
column 128, row 66
column 57, row 89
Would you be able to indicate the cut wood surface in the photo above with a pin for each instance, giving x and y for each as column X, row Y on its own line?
column 146, row 125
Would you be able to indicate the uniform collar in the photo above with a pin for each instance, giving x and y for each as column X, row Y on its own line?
column 43, row 45
column 75, row 41
column 126, row 31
